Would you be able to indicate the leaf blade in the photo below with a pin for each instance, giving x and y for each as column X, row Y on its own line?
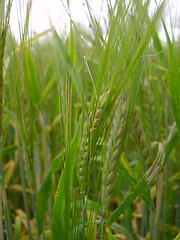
column 69, row 65
column 174, row 80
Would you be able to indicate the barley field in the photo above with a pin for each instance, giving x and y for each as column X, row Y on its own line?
column 90, row 127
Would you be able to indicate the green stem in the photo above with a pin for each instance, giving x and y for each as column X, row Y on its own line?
column 4, row 22
column 1, row 194
column 22, row 176
column 143, row 223
column 178, row 197
column 2, row 45
column 5, row 207
column 165, row 197
column 1, row 214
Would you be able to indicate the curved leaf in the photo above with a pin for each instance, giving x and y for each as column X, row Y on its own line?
column 112, row 237
column 140, row 187
column 157, row 165
column 122, row 230
column 143, row 184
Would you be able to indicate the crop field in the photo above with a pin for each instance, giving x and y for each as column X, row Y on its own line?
column 90, row 127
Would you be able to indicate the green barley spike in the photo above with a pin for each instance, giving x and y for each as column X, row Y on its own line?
column 114, row 150
column 84, row 148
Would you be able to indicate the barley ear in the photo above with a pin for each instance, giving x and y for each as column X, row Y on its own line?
column 114, row 150
column 87, row 140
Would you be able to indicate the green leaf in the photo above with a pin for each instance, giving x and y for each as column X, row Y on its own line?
column 158, row 46
column 33, row 39
column 177, row 237
column 72, row 47
column 31, row 81
column 141, row 47
column 42, row 201
column 45, row 189
column 7, row 119
column 140, row 187
column 112, row 237
column 47, row 89
column 17, row 231
column 148, row 236
column 69, row 65
column 158, row 164
column 172, row 141
column 145, row 195
column 57, row 162
column 9, row 149
column 122, row 230
column 25, row 43
column 57, row 224
column 174, row 80
column 26, row 24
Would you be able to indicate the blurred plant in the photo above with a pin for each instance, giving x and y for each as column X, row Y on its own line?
column 91, row 129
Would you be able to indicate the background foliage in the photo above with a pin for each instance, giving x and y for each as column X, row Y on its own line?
column 90, row 129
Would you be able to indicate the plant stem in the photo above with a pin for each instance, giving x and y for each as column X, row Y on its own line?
column 143, row 221
column 1, row 220
column 22, row 176
column 3, row 29
column 2, row 46
column 178, row 196
column 7, row 222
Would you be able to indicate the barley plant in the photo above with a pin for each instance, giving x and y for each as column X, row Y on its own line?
column 89, row 127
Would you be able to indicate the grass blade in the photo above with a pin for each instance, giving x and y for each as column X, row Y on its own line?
column 177, row 237
column 42, row 201
column 143, row 184
column 174, row 80
column 69, row 65
column 45, row 189
column 122, row 230
column 57, row 224
column 145, row 195
column 47, row 89
column 140, row 187
column 31, row 82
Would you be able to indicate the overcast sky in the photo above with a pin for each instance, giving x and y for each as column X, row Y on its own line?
column 45, row 11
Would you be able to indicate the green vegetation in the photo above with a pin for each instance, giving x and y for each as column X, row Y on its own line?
column 89, row 129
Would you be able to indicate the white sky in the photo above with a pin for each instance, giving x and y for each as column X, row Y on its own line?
column 45, row 11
